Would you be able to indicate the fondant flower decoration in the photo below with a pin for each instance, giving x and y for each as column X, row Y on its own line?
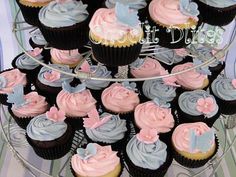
column 3, row 82
column 85, row 67
column 79, row 88
column 37, row 51
column 189, row 8
column 161, row 104
column 206, row 105
column 203, row 70
column 181, row 52
column 233, row 82
column 93, row 120
column 169, row 80
column 137, row 63
column 88, row 152
column 55, row 115
column 130, row 86
column 147, row 136
column 52, row 75
column 17, row 97
column 201, row 142
column 125, row 15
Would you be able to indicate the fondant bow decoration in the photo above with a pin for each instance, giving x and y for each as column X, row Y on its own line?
column 203, row 70
column 130, row 86
column 17, row 97
column 3, row 82
column 189, row 8
column 79, row 88
column 161, row 104
column 93, row 120
column 137, row 63
column 85, row 67
column 55, row 115
column 88, row 152
column 171, row 80
column 201, row 142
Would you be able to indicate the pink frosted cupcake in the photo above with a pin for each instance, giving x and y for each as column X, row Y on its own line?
column 65, row 57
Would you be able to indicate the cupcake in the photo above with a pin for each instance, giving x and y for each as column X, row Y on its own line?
column 115, row 35
column 105, row 129
column 96, row 160
column 49, row 82
column 27, row 65
column 193, row 79
column 218, row 13
column 224, row 90
column 146, row 155
column 121, row 98
column 61, row 32
column 175, row 20
column 25, row 107
column 8, row 80
column 30, row 10
column 196, row 106
column 48, row 134
column 194, row 144
column 76, row 102
column 66, row 57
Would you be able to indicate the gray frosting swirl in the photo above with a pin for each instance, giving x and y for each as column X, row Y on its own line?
column 25, row 62
column 219, row 3
column 98, row 71
column 157, row 89
column 42, row 129
column 188, row 102
column 223, row 89
column 110, row 132
column 38, row 38
column 64, row 14
column 150, row 156
column 133, row 4
column 63, row 77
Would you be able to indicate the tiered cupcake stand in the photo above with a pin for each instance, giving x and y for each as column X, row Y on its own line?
column 15, row 136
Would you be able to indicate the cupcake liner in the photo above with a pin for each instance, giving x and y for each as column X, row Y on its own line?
column 115, row 56
column 136, row 171
column 216, row 16
column 30, row 14
column 55, row 149
column 190, row 163
column 64, row 37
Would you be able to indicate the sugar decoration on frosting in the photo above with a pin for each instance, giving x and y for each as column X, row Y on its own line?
column 147, row 136
column 171, row 80
column 204, row 69
column 93, row 120
column 17, row 97
column 201, row 142
column 137, row 63
column 35, row 52
column 189, row 8
column 206, row 105
column 130, row 86
column 3, row 82
column 52, row 75
column 85, row 67
column 233, row 82
column 79, row 88
column 158, row 102
column 125, row 15
column 55, row 115
column 88, row 152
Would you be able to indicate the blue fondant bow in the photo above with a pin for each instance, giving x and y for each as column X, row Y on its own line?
column 17, row 97
column 189, row 8
column 161, row 104
column 88, row 152
column 130, row 86
column 137, row 63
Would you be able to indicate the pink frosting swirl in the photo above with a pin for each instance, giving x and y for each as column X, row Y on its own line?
column 76, row 104
column 65, row 56
column 150, row 116
column 181, row 135
column 191, row 79
column 149, row 68
column 119, row 99
column 105, row 25
column 167, row 12
column 100, row 164
column 13, row 77
column 36, row 105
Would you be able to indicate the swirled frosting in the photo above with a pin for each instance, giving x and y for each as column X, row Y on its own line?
column 167, row 12
column 110, row 132
column 65, row 56
column 150, row 156
column 76, row 104
column 133, row 4
column 41, row 128
column 38, row 38
column 119, row 99
column 149, row 68
column 57, row 82
column 223, row 89
column 104, row 161
column 35, row 105
column 70, row 12
column 104, row 24
column 219, row 3
column 25, row 62
column 191, row 79
column 158, row 89
column 181, row 135
column 188, row 102
column 13, row 77
column 151, row 116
